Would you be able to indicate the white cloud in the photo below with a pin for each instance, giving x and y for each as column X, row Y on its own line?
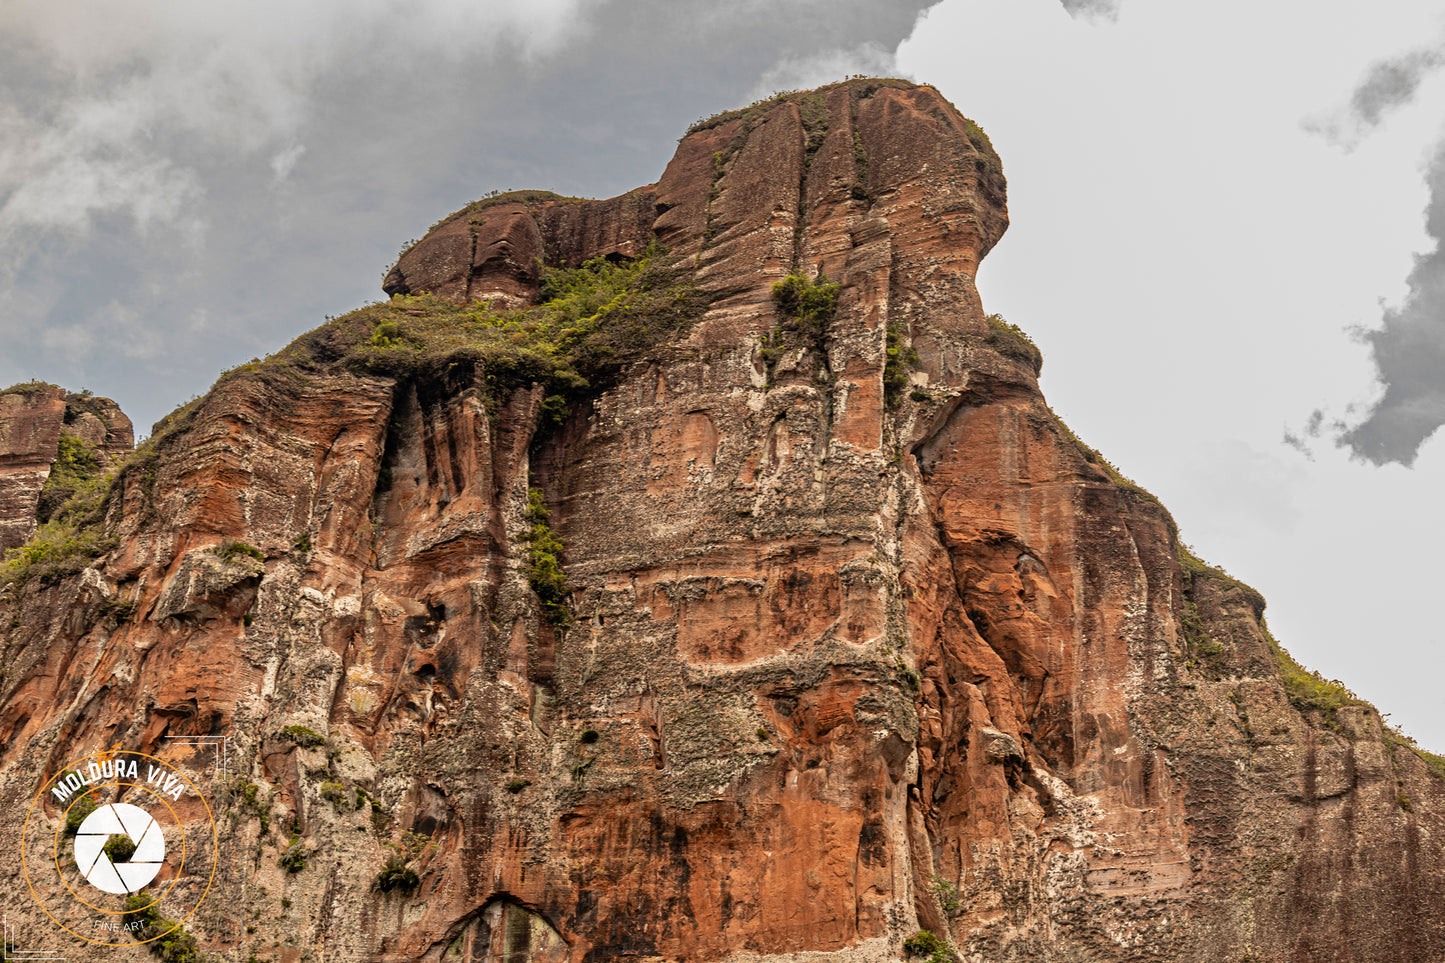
column 117, row 115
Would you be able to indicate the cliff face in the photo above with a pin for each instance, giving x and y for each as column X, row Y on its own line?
column 33, row 417
column 858, row 639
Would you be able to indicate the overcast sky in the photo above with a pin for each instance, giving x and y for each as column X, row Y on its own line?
column 1226, row 223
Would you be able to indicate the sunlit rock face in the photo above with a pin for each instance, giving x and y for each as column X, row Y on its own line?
column 862, row 640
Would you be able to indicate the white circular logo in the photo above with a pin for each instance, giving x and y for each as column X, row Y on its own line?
column 93, row 862
column 120, row 821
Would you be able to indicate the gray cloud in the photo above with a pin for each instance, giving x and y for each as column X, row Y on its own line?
column 198, row 184
column 1408, row 347
column 1409, row 352
column 1092, row 9
column 1387, row 85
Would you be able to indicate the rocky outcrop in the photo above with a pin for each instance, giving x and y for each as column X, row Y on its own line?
column 859, row 639
column 32, row 418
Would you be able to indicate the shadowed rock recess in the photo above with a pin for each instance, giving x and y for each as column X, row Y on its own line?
column 704, row 623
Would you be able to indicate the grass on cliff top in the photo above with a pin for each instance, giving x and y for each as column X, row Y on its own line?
column 531, row 198
column 1194, row 567
column 863, row 86
column 1012, row 341
column 31, row 387
column 1305, row 688
column 1092, row 456
column 590, row 320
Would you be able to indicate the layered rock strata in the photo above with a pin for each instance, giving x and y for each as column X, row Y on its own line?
column 846, row 659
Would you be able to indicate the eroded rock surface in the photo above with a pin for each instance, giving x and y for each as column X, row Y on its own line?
column 32, row 417
column 846, row 660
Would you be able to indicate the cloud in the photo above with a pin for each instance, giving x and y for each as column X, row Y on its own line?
column 1409, row 352
column 1408, row 348
column 1092, row 9
column 118, row 113
column 283, row 161
column 1388, row 85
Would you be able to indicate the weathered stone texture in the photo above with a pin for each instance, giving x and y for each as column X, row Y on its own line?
column 31, row 419
column 841, row 667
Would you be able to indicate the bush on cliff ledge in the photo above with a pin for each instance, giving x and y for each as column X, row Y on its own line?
column 590, row 320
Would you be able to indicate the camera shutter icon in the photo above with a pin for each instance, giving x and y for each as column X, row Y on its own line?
column 125, row 820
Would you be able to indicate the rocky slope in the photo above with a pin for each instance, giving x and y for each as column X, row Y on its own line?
column 33, row 419
column 856, row 639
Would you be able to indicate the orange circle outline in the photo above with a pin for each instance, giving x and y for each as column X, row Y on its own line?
column 180, row 869
column 215, row 839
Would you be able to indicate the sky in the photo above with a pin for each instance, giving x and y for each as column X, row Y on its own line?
column 1227, row 223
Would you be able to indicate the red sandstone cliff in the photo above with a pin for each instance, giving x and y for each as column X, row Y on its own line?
column 33, row 417
column 858, row 644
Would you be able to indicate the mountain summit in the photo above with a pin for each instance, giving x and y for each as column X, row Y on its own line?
column 700, row 575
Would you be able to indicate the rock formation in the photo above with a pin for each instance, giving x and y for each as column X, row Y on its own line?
column 33, row 417
column 856, row 638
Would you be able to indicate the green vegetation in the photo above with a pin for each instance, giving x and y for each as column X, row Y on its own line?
column 233, row 548
column 925, row 944
column 1093, row 457
column 303, row 736
column 83, row 806
column 396, row 875
column 32, row 387
column 544, row 560
column 1193, row 567
column 398, row 878
column 118, row 609
column 119, row 848
column 807, row 304
column 862, row 87
column 859, row 191
column 336, row 793
column 1205, row 652
column 947, row 894
column 1435, row 762
column 990, row 159
column 1011, row 341
column 76, row 466
column 909, row 677
column 249, row 795
column 166, row 938
column 901, row 359
column 293, row 859
column 592, row 320
column 589, row 736
column 74, row 535
column 531, row 198
column 70, row 540
column 762, row 734
column 517, row 785
column 1307, row 689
